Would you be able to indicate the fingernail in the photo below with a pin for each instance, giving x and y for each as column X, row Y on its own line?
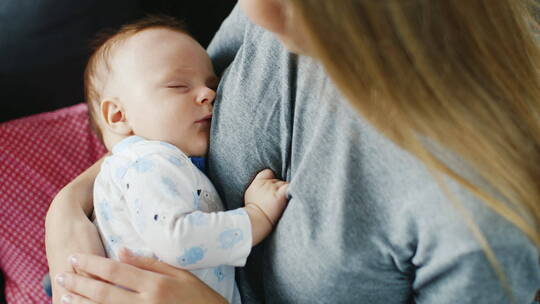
column 73, row 260
column 66, row 299
column 60, row 279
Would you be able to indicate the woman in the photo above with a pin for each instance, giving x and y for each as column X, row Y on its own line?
column 446, row 211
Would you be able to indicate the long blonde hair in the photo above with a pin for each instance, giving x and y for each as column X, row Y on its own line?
column 462, row 73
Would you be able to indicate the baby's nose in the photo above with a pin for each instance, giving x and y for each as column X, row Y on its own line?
column 206, row 95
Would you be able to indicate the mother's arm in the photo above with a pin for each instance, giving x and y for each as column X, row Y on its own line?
column 68, row 228
column 228, row 40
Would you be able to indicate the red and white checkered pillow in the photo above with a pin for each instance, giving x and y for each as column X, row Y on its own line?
column 38, row 156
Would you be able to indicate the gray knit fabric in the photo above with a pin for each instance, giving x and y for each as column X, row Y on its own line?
column 366, row 222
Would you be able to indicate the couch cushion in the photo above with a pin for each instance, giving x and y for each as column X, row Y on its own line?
column 38, row 156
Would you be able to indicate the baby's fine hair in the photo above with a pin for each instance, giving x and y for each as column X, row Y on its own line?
column 98, row 66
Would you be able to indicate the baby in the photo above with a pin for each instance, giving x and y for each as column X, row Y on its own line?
column 150, row 89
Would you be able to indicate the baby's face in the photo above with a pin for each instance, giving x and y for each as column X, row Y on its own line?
column 166, row 83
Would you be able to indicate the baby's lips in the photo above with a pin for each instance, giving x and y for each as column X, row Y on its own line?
column 205, row 118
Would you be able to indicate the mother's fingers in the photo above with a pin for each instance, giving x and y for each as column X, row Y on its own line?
column 75, row 299
column 110, row 270
column 151, row 264
column 93, row 290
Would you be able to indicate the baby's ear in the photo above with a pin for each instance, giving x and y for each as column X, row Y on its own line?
column 114, row 117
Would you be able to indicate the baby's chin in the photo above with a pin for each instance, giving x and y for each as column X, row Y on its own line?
column 199, row 151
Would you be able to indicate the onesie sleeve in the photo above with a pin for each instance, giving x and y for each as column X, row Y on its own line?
column 162, row 201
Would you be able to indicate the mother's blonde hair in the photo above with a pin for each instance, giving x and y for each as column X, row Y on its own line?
column 462, row 73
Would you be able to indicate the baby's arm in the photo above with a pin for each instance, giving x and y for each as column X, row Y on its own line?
column 162, row 202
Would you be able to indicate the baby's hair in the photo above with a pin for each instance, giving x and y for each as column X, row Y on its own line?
column 98, row 66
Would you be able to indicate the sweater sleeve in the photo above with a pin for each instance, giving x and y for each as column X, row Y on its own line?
column 228, row 40
column 163, row 203
column 452, row 265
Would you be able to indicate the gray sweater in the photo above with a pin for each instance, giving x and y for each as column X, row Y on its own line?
column 366, row 222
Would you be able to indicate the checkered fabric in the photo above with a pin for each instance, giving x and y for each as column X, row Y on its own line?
column 38, row 156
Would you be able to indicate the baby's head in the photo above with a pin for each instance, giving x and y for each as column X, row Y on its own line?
column 153, row 80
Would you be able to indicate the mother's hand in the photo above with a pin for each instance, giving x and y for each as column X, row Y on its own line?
column 146, row 280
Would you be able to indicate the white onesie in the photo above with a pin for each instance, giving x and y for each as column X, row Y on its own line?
column 150, row 198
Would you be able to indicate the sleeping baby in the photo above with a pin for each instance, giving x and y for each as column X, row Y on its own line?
column 150, row 89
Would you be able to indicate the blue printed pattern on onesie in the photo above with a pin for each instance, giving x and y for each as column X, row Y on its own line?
column 170, row 186
column 143, row 165
column 105, row 210
column 191, row 256
column 115, row 240
column 168, row 146
column 219, row 273
column 121, row 172
column 230, row 237
column 112, row 243
column 198, row 218
column 196, row 199
column 109, row 250
column 139, row 215
column 175, row 161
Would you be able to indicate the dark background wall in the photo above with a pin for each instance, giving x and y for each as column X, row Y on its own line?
column 44, row 44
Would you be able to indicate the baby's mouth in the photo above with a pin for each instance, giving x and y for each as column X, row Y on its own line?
column 207, row 118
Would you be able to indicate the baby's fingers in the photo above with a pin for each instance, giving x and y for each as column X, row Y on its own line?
column 265, row 174
column 282, row 190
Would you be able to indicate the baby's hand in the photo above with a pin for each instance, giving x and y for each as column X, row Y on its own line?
column 269, row 194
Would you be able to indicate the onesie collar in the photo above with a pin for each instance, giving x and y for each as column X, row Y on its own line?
column 126, row 143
